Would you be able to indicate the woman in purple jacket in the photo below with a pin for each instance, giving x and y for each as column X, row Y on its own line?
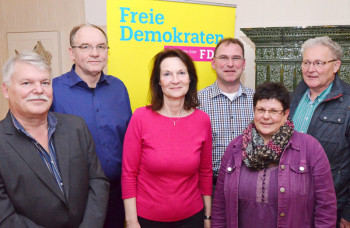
column 273, row 176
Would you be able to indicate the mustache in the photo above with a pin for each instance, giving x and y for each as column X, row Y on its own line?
column 37, row 97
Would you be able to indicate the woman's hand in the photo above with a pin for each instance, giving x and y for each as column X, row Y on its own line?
column 344, row 224
column 133, row 224
column 207, row 223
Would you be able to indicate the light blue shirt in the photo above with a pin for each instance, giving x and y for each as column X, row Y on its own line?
column 306, row 108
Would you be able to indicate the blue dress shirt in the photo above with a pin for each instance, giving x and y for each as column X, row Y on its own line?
column 106, row 110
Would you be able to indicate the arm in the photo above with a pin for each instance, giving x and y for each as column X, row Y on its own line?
column 8, row 215
column 219, row 201
column 130, row 167
column 131, row 213
column 206, row 174
column 207, row 210
column 96, row 205
column 325, row 214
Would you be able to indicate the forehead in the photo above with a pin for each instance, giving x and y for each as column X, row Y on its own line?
column 269, row 103
column 172, row 62
column 23, row 70
column 89, row 35
column 317, row 52
column 229, row 49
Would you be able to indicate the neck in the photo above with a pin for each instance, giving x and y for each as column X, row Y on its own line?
column 33, row 122
column 229, row 87
column 173, row 107
column 91, row 80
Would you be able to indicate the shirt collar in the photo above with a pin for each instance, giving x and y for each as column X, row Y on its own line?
column 322, row 95
column 51, row 119
column 75, row 79
column 216, row 90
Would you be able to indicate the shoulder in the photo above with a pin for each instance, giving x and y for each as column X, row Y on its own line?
column 143, row 113
column 305, row 143
column 61, row 79
column 199, row 115
column 114, row 81
column 345, row 87
column 205, row 91
column 247, row 90
column 68, row 120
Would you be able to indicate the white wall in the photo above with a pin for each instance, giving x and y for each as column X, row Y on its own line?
column 260, row 13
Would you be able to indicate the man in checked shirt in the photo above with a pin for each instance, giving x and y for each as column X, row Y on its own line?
column 228, row 102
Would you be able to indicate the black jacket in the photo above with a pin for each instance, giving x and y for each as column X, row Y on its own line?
column 330, row 125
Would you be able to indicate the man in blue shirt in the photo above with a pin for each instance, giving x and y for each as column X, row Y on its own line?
column 102, row 100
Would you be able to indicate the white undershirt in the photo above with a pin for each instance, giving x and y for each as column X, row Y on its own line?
column 229, row 95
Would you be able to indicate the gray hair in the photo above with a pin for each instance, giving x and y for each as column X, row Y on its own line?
column 325, row 41
column 74, row 31
column 29, row 57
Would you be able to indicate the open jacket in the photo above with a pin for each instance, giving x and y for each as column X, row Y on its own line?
column 330, row 125
column 308, row 200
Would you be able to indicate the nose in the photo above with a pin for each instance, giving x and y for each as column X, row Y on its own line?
column 94, row 51
column 175, row 79
column 38, row 88
column 266, row 115
column 230, row 62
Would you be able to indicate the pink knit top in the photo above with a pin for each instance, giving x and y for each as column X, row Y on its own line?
column 167, row 167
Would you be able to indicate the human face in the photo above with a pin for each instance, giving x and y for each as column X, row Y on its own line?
column 174, row 78
column 318, row 79
column 91, row 62
column 268, row 124
column 228, row 71
column 29, row 92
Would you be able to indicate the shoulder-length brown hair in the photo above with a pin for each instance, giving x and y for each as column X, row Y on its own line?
column 156, row 93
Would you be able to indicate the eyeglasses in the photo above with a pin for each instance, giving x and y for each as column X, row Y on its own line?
column 225, row 58
column 89, row 48
column 272, row 112
column 317, row 64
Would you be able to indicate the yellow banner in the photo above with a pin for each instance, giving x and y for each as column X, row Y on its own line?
column 139, row 29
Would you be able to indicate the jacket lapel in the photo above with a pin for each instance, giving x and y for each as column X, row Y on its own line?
column 61, row 143
column 28, row 152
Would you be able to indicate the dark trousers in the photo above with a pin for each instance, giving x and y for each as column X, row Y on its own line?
column 195, row 221
column 115, row 210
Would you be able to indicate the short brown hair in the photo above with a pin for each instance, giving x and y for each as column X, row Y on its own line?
column 76, row 28
column 229, row 40
column 156, row 93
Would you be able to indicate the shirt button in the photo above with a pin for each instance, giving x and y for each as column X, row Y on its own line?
column 325, row 117
column 339, row 120
column 282, row 214
column 100, row 127
column 301, row 168
column 229, row 169
column 97, row 110
column 282, row 190
column 283, row 167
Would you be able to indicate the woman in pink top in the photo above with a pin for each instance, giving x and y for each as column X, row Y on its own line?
column 167, row 165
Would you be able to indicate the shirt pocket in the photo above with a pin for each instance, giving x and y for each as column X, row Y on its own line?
column 300, row 179
column 330, row 128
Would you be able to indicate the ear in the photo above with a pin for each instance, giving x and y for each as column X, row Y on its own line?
column 336, row 66
column 4, row 89
column 71, row 54
column 213, row 63
column 286, row 113
column 243, row 66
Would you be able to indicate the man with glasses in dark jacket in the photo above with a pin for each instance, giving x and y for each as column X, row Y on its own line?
column 320, row 106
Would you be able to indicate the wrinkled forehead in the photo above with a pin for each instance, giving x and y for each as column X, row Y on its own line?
column 318, row 51
column 89, row 35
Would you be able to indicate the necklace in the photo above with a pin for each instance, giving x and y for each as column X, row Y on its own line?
column 177, row 118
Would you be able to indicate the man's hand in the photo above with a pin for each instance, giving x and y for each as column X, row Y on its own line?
column 344, row 224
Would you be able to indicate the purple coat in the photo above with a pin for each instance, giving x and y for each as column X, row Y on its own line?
column 308, row 198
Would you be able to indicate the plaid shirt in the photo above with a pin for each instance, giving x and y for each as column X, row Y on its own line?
column 228, row 119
